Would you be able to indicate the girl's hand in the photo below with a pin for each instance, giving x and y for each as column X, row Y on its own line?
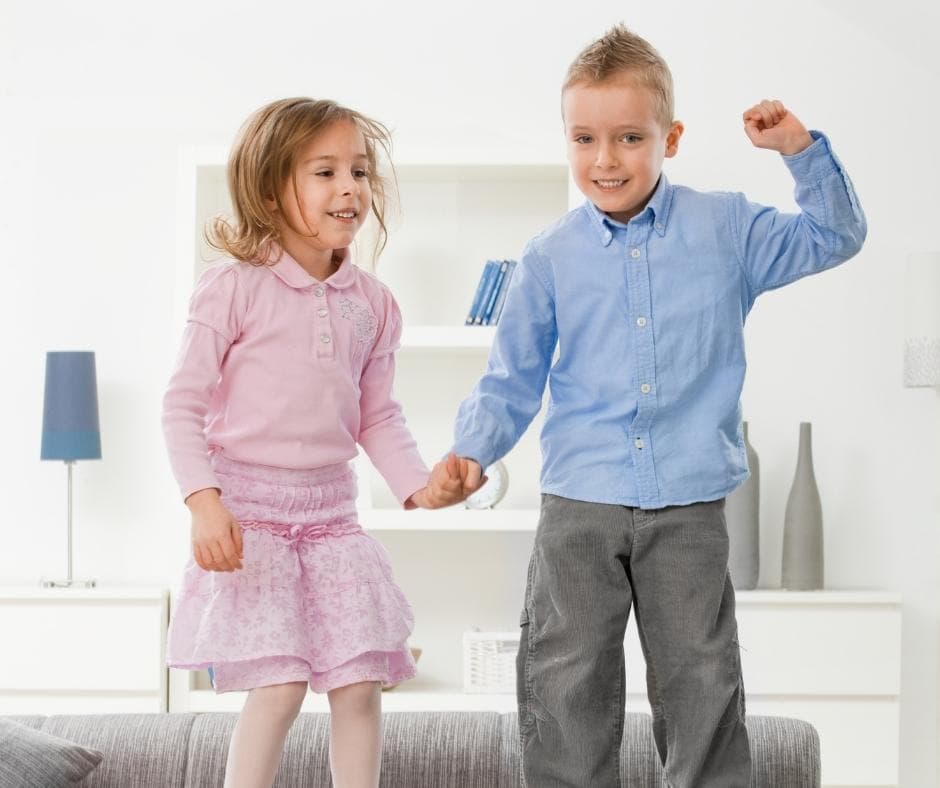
column 447, row 484
column 216, row 536
column 770, row 125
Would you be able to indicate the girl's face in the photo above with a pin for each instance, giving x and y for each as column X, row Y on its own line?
column 333, row 195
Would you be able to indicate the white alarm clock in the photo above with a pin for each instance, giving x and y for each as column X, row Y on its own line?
column 493, row 491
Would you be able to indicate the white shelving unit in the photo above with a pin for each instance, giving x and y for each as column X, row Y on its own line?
column 452, row 520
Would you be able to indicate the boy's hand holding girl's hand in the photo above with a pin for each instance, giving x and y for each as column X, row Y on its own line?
column 770, row 125
column 216, row 535
column 451, row 481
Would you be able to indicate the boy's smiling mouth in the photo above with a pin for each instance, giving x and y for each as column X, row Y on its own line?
column 610, row 184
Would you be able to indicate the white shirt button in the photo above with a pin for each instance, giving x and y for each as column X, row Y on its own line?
column 318, row 291
column 638, row 442
column 325, row 339
column 641, row 321
column 634, row 253
column 659, row 225
column 322, row 312
column 645, row 388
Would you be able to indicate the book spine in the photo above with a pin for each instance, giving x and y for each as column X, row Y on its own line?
column 500, row 276
column 501, row 298
column 492, row 269
column 478, row 296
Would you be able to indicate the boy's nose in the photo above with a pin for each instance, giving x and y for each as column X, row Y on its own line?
column 605, row 158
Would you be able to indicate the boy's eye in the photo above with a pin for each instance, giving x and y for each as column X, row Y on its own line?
column 631, row 139
column 583, row 139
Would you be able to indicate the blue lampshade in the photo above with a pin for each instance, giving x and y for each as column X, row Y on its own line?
column 70, row 408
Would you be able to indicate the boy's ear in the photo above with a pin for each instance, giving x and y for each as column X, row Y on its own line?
column 672, row 138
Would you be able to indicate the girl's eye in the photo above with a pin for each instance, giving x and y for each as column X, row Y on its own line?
column 360, row 173
column 325, row 173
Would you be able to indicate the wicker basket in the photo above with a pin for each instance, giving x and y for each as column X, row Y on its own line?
column 489, row 662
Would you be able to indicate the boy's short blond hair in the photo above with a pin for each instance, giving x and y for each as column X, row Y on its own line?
column 621, row 52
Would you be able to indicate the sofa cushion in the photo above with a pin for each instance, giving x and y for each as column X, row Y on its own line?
column 34, row 757
column 466, row 747
column 304, row 764
column 460, row 749
column 140, row 750
column 785, row 752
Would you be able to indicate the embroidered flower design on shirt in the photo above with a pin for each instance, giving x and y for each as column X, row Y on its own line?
column 364, row 321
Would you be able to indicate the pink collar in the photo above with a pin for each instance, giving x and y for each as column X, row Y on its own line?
column 289, row 271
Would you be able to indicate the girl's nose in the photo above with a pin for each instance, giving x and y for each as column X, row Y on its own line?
column 349, row 186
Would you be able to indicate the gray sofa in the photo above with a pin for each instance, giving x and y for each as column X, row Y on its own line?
column 422, row 749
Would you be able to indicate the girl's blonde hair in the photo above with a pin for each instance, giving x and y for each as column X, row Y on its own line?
column 263, row 161
column 622, row 52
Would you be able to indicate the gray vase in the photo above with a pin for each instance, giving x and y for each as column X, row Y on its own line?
column 802, row 524
column 742, row 514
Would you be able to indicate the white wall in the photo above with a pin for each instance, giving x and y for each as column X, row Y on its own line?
column 95, row 99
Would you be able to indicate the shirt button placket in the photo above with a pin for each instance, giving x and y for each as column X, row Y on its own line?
column 640, row 300
column 324, row 331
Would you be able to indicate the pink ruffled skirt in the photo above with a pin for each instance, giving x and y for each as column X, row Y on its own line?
column 315, row 600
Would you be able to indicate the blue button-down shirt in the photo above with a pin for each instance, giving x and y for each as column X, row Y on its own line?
column 648, row 320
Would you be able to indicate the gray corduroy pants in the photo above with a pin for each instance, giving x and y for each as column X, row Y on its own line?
column 590, row 564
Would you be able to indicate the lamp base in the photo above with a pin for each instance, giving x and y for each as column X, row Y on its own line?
column 68, row 583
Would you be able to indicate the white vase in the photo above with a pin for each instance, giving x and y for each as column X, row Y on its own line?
column 742, row 516
column 803, row 559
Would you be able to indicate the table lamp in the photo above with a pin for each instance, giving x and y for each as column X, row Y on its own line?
column 70, row 427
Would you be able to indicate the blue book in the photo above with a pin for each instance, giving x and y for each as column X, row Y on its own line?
column 500, row 276
column 489, row 284
column 504, row 288
column 478, row 296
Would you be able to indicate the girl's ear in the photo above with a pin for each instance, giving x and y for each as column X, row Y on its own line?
column 672, row 138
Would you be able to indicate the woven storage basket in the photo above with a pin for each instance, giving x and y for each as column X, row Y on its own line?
column 489, row 662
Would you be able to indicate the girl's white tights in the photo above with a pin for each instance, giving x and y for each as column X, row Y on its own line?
column 258, row 739
column 356, row 735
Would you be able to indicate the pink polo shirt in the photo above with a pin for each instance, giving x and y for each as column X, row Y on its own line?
column 278, row 368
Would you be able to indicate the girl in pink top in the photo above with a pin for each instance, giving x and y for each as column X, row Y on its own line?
column 286, row 365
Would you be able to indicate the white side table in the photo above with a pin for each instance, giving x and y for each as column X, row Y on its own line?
column 83, row 651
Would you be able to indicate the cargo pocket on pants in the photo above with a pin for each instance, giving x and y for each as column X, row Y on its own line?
column 523, row 687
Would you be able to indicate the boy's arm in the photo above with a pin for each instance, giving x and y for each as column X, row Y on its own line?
column 505, row 400
column 776, row 248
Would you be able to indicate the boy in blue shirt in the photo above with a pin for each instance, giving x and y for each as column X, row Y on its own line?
column 643, row 291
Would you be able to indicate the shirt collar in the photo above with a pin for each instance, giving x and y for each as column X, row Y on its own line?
column 656, row 212
column 289, row 271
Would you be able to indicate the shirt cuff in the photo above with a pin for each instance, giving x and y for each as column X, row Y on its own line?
column 195, row 483
column 406, row 481
column 814, row 162
column 478, row 453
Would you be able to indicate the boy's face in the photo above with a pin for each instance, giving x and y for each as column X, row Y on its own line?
column 616, row 145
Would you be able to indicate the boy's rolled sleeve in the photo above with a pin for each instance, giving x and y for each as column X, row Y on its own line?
column 776, row 248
